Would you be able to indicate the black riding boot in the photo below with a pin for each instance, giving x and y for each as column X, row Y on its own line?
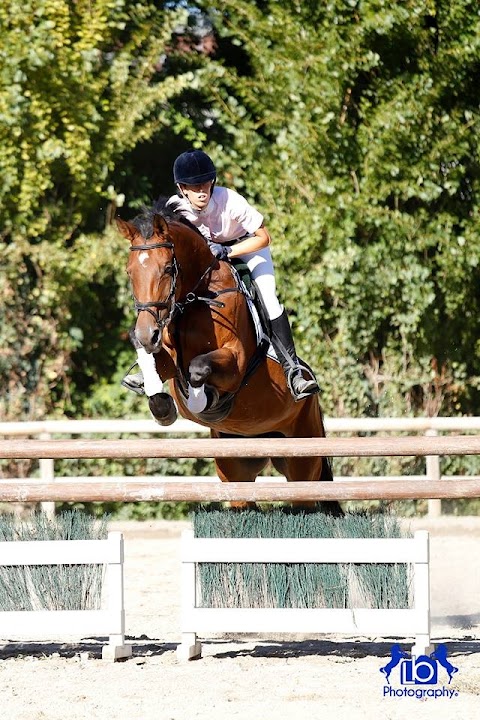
column 282, row 340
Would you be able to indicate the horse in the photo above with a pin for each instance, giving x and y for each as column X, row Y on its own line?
column 192, row 314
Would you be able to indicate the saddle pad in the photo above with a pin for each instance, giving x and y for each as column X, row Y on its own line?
column 259, row 331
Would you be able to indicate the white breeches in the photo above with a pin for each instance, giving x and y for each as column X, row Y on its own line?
column 261, row 269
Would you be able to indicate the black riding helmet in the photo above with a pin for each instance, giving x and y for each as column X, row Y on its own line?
column 193, row 167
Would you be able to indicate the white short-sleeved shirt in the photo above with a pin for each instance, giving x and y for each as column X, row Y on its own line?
column 228, row 216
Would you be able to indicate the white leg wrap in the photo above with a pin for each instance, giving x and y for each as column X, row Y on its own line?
column 197, row 400
column 151, row 378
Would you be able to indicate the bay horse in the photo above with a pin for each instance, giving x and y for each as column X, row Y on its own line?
column 193, row 316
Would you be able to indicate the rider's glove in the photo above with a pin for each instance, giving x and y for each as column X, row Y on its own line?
column 221, row 252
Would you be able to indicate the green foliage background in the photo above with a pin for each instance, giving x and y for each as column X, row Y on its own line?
column 352, row 125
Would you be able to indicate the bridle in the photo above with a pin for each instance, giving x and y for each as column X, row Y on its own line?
column 169, row 303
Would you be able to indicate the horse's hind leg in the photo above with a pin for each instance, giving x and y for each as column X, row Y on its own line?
column 299, row 469
column 307, row 469
column 309, row 423
column 240, row 470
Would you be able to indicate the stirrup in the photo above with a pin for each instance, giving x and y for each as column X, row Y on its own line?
column 311, row 387
column 134, row 382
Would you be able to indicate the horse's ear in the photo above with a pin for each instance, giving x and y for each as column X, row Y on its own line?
column 160, row 226
column 126, row 229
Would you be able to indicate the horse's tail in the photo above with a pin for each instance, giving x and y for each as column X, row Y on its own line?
column 327, row 473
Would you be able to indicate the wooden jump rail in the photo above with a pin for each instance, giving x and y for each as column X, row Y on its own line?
column 158, row 491
column 153, row 490
column 250, row 447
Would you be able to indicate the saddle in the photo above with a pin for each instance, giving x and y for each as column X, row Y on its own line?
column 254, row 300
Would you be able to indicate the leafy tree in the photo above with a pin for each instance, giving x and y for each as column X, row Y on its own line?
column 354, row 126
column 81, row 85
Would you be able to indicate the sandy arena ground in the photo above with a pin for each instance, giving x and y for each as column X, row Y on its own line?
column 247, row 677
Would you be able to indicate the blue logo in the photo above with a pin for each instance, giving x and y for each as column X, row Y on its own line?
column 440, row 655
column 418, row 674
column 420, row 671
column 397, row 654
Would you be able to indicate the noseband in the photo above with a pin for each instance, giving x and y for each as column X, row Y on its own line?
column 169, row 303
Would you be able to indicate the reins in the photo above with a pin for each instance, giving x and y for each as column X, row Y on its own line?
column 192, row 296
column 169, row 302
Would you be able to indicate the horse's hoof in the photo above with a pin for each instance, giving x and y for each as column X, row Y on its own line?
column 199, row 371
column 197, row 400
column 163, row 408
column 240, row 505
column 330, row 507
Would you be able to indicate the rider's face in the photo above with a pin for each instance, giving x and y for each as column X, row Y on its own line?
column 198, row 195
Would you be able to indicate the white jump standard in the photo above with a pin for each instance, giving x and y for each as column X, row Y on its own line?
column 42, row 624
column 414, row 622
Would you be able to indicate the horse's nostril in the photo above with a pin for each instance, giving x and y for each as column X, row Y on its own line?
column 147, row 337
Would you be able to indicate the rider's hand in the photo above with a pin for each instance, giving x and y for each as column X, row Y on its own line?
column 221, row 252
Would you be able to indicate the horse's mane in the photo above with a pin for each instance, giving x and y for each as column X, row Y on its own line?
column 168, row 209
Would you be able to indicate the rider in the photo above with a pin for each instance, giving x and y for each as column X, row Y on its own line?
column 235, row 229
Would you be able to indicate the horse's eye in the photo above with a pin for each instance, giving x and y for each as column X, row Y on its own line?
column 168, row 270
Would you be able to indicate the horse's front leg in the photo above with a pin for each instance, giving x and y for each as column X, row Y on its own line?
column 219, row 368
